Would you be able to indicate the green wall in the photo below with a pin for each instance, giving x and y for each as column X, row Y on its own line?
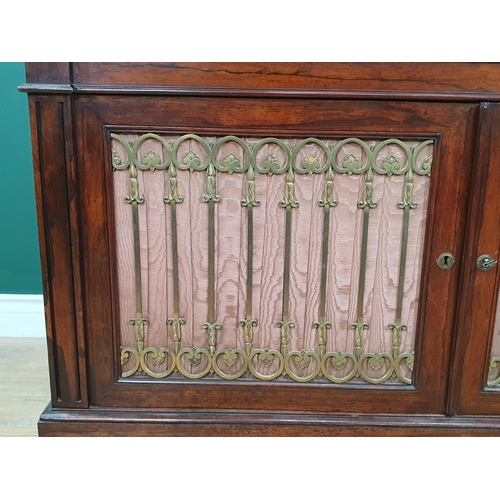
column 19, row 254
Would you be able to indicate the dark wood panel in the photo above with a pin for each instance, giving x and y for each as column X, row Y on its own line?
column 48, row 72
column 453, row 125
column 55, row 171
column 282, row 117
column 397, row 77
column 225, row 424
column 479, row 288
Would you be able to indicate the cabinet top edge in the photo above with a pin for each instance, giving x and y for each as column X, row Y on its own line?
column 462, row 97
column 425, row 79
column 45, row 88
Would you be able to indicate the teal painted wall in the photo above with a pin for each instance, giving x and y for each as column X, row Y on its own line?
column 19, row 254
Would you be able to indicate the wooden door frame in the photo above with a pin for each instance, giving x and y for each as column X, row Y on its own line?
column 452, row 124
column 479, row 290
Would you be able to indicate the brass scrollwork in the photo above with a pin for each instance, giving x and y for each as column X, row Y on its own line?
column 267, row 357
column 271, row 164
column 327, row 199
column 321, row 328
column 376, row 361
column 289, row 200
column 250, row 199
column 285, row 335
column 367, row 200
column 339, row 361
column 390, row 165
column 358, row 337
column 408, row 192
column 194, row 357
column 230, row 357
column 176, row 335
column 211, row 194
column 279, row 159
column 139, row 323
column 409, row 359
column 303, row 359
column 248, row 324
column 173, row 196
column 159, row 355
column 134, row 187
column 397, row 329
column 494, row 363
column 212, row 335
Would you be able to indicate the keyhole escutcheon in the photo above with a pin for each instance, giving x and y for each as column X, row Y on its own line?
column 445, row 261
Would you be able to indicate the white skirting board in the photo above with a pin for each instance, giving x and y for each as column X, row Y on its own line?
column 22, row 316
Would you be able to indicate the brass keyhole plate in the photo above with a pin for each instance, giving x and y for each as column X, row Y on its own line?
column 445, row 261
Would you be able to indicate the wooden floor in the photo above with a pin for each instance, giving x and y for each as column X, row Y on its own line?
column 24, row 385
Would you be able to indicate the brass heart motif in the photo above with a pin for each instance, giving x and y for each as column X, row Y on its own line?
column 303, row 359
column 339, row 360
column 409, row 359
column 158, row 355
column 267, row 358
column 125, row 356
column 159, row 358
column 376, row 361
column 194, row 357
column 230, row 357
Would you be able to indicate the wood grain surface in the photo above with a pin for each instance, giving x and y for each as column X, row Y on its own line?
column 224, row 424
column 478, row 322
column 58, row 215
column 429, row 77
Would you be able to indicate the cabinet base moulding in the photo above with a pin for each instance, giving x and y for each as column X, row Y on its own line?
column 230, row 423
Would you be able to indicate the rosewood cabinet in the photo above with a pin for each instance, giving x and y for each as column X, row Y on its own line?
column 269, row 249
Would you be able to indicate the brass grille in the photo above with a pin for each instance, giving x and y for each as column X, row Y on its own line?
column 290, row 161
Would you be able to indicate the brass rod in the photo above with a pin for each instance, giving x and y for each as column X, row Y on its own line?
column 407, row 204
column 211, row 197
column 173, row 199
column 366, row 204
column 175, row 257
column 137, row 258
column 249, row 261
column 402, row 264
column 327, row 202
column 249, row 202
column 324, row 263
column 211, row 262
column 362, row 269
column 134, row 199
column 286, row 273
column 286, row 324
column 322, row 325
column 288, row 203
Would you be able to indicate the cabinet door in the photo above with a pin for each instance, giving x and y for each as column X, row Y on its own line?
column 271, row 254
column 476, row 374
